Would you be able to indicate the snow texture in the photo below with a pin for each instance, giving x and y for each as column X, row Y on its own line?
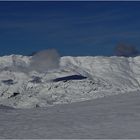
column 27, row 84
column 113, row 117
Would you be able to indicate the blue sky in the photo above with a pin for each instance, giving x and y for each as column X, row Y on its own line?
column 73, row 28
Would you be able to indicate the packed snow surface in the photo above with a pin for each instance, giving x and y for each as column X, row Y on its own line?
column 76, row 79
column 113, row 117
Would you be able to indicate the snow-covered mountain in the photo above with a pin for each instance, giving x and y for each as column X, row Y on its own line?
column 76, row 79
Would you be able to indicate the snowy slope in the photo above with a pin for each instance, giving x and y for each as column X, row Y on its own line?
column 21, row 87
column 114, row 117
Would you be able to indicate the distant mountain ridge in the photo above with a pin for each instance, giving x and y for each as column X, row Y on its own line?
column 100, row 76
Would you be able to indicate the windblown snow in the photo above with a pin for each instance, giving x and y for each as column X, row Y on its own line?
column 76, row 79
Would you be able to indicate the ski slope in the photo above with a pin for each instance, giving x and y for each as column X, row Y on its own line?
column 23, row 87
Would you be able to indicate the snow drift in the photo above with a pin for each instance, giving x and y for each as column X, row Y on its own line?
column 102, row 76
